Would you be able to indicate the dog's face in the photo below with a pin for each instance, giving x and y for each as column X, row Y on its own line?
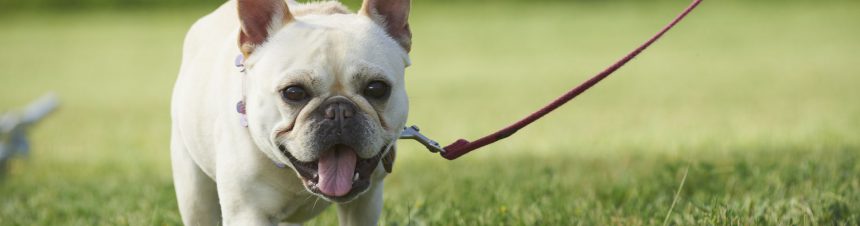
column 325, row 93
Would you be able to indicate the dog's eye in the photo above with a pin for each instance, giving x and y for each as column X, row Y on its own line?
column 294, row 93
column 377, row 90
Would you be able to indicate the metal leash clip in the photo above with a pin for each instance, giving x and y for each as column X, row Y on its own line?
column 412, row 133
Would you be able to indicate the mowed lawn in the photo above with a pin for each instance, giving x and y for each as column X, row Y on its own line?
column 757, row 104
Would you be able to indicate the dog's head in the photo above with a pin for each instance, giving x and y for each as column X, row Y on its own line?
column 325, row 88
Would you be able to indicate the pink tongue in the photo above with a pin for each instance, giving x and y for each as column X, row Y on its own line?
column 336, row 169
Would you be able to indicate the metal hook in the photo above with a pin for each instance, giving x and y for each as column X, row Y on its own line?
column 412, row 133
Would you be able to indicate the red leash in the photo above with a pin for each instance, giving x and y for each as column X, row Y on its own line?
column 462, row 146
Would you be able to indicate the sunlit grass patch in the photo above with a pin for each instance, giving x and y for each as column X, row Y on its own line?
column 757, row 102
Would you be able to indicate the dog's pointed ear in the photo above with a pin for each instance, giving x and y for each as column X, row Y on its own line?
column 260, row 18
column 393, row 15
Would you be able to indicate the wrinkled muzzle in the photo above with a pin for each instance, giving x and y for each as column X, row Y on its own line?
column 342, row 138
column 337, row 121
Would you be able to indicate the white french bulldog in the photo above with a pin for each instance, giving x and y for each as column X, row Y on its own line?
column 309, row 117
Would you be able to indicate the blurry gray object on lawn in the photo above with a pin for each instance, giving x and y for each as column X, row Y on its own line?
column 14, row 126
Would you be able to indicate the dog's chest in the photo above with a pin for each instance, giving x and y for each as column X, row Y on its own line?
column 302, row 207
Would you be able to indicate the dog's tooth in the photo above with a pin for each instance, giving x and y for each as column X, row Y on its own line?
column 355, row 177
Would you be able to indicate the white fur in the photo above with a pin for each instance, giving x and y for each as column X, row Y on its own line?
column 223, row 172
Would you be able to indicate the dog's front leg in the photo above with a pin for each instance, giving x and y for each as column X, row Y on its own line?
column 236, row 207
column 246, row 198
column 242, row 218
column 365, row 209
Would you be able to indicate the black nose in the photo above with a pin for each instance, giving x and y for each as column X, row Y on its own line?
column 338, row 120
column 339, row 110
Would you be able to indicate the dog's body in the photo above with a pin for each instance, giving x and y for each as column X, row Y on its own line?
column 322, row 95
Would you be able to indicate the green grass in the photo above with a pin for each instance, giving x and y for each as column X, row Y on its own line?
column 758, row 102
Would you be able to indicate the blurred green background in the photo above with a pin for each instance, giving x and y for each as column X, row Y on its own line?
column 756, row 100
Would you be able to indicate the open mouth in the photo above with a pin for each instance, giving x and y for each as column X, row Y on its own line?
column 339, row 174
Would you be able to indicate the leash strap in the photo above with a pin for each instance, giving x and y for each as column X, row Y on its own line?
column 463, row 146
